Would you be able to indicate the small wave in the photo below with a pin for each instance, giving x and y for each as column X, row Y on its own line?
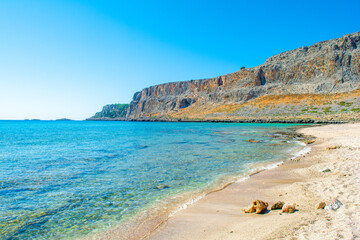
column 306, row 149
column 185, row 205
column 263, row 167
column 273, row 165
column 242, row 179
column 194, row 200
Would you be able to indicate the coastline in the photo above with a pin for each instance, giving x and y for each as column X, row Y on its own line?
column 252, row 120
column 302, row 181
column 150, row 220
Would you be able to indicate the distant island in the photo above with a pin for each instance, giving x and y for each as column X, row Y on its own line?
column 319, row 83
column 63, row 119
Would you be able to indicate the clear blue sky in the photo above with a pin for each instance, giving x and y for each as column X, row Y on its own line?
column 69, row 58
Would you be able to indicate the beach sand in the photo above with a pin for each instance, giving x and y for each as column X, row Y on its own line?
column 219, row 214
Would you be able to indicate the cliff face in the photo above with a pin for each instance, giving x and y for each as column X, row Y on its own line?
column 328, row 67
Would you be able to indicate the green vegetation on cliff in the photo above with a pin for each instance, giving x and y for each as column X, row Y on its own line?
column 319, row 83
column 111, row 111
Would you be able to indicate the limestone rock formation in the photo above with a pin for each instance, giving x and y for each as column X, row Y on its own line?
column 258, row 207
column 277, row 205
column 327, row 67
column 319, row 83
column 289, row 208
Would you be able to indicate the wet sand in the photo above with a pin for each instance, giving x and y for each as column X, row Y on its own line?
column 219, row 214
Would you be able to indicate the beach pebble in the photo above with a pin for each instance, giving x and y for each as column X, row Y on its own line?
column 289, row 208
column 310, row 141
column 321, row 205
column 333, row 147
column 335, row 205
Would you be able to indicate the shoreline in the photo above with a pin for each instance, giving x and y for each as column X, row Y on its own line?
column 219, row 216
column 148, row 221
column 152, row 220
column 257, row 120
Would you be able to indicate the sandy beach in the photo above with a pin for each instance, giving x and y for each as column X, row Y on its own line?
column 329, row 171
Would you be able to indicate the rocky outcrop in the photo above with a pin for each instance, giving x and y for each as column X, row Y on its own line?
column 111, row 112
column 257, row 207
column 328, row 67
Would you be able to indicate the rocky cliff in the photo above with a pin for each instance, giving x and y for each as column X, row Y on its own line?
column 328, row 67
column 296, row 82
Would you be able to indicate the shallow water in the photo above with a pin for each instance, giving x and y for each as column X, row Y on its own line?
column 63, row 179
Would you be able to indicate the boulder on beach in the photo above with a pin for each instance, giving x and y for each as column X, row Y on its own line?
column 258, row 206
column 289, row 208
column 277, row 205
column 309, row 141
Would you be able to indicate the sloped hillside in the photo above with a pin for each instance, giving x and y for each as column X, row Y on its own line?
column 321, row 71
column 316, row 83
column 111, row 112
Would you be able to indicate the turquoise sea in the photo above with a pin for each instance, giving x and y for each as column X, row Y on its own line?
column 67, row 179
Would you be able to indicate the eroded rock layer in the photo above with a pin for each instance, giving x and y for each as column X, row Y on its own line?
column 327, row 67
